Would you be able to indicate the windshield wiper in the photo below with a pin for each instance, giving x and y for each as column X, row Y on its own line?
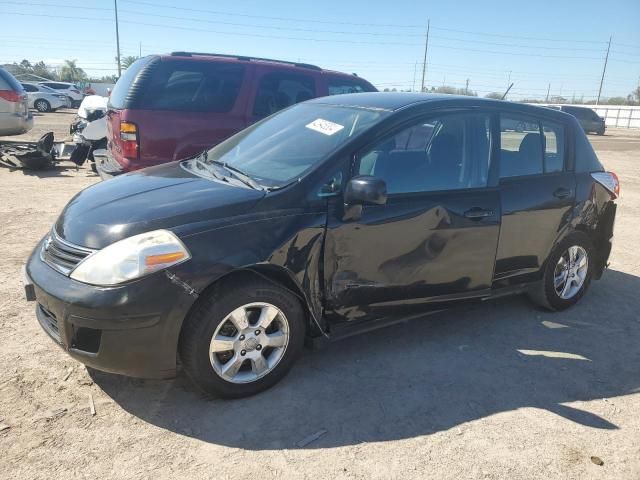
column 240, row 175
column 206, row 166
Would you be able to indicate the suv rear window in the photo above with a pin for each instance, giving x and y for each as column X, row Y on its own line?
column 193, row 87
column 123, row 89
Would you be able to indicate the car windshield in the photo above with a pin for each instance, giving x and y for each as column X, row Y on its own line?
column 283, row 147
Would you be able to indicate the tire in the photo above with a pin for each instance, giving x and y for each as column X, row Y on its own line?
column 42, row 105
column 212, row 315
column 545, row 293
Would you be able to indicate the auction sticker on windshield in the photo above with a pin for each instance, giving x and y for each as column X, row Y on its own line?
column 325, row 126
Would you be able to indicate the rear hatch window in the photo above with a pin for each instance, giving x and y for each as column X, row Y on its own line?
column 124, row 91
column 190, row 86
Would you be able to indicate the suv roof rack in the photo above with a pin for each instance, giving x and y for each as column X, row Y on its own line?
column 245, row 58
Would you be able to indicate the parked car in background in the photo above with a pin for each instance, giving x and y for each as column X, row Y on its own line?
column 168, row 107
column 45, row 99
column 231, row 259
column 15, row 118
column 589, row 120
column 71, row 90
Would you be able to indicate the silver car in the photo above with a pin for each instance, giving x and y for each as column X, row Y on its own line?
column 15, row 118
column 45, row 99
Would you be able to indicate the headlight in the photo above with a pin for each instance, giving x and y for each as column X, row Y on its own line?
column 131, row 258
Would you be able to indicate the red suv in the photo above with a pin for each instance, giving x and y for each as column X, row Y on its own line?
column 169, row 107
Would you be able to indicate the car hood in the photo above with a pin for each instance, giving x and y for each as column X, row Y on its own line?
column 165, row 196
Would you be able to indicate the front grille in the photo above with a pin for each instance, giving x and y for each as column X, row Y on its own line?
column 61, row 255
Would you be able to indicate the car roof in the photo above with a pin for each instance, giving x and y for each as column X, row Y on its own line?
column 284, row 64
column 393, row 101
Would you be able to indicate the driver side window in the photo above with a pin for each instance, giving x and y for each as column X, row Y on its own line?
column 448, row 152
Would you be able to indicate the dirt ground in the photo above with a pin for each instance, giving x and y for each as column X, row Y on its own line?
column 498, row 390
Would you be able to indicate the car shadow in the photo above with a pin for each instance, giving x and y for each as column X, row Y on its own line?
column 58, row 170
column 421, row 377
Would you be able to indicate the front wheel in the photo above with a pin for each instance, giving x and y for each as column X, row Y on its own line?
column 567, row 274
column 242, row 338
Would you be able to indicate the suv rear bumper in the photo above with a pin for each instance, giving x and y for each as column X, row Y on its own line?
column 107, row 166
column 132, row 329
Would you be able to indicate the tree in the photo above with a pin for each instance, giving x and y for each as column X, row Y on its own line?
column 127, row 61
column 70, row 72
column 453, row 91
column 494, row 95
column 25, row 67
column 635, row 95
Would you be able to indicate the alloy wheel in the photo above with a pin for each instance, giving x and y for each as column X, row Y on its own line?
column 571, row 272
column 249, row 343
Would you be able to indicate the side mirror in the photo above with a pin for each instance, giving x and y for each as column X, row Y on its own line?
column 365, row 190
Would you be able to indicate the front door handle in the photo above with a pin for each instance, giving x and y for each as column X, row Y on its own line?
column 477, row 213
column 562, row 192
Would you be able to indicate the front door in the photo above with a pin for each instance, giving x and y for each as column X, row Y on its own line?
column 436, row 236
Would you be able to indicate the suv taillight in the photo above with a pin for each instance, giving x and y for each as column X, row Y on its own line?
column 11, row 96
column 608, row 180
column 129, row 137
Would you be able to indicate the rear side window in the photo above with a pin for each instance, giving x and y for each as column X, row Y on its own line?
column 280, row 90
column 193, row 87
column 338, row 86
column 530, row 147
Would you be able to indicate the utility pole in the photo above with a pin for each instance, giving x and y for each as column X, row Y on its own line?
column 415, row 69
column 115, row 6
column 140, row 49
column 466, row 88
column 604, row 69
column 548, row 90
column 426, row 47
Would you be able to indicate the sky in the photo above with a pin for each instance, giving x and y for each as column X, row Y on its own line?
column 537, row 45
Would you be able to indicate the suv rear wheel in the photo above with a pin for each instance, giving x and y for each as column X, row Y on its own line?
column 567, row 274
column 242, row 338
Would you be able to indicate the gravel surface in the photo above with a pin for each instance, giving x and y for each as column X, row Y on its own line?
column 497, row 390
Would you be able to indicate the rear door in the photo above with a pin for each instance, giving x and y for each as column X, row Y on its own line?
column 435, row 238
column 537, row 194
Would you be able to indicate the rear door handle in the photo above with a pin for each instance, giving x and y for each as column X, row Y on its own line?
column 562, row 192
column 476, row 213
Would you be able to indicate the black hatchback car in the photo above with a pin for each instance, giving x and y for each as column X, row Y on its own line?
column 332, row 216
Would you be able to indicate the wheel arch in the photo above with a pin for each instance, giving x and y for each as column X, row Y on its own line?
column 276, row 274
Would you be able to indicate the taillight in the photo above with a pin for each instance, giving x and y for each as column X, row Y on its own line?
column 11, row 96
column 75, row 91
column 129, row 137
column 608, row 180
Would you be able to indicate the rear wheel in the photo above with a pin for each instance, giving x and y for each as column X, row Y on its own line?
column 42, row 105
column 567, row 274
column 242, row 338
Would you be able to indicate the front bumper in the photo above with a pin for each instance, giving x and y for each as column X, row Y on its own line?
column 131, row 329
